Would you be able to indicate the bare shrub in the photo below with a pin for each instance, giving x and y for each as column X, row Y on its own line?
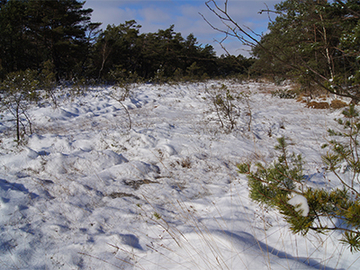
column 18, row 91
column 230, row 106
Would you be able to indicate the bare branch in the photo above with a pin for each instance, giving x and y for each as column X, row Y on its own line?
column 249, row 38
column 120, row 100
column 353, row 12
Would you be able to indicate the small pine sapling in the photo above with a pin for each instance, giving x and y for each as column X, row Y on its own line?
column 282, row 186
column 226, row 110
column 224, row 103
column 345, row 150
column 275, row 184
column 343, row 161
column 121, row 96
column 48, row 80
column 18, row 90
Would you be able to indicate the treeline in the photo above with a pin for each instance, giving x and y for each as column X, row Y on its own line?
column 315, row 42
column 58, row 38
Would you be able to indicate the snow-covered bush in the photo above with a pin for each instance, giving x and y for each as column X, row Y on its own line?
column 282, row 185
column 284, row 93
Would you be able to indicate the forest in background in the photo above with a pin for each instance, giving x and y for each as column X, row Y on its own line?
column 314, row 42
column 58, row 37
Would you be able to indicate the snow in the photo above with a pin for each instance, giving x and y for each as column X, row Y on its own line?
column 300, row 203
column 86, row 192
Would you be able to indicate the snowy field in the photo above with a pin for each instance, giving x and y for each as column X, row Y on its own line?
column 86, row 192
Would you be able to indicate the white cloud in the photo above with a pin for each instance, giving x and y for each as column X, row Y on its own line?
column 108, row 12
column 153, row 19
column 155, row 15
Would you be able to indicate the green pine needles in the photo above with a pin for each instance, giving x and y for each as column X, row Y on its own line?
column 282, row 185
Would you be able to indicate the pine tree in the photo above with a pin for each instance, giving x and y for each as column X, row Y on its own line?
column 316, row 43
column 282, row 185
column 33, row 32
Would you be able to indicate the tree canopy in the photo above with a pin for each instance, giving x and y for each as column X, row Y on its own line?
column 38, row 34
column 315, row 42
column 32, row 32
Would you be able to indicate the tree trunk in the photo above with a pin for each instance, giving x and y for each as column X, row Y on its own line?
column 17, row 124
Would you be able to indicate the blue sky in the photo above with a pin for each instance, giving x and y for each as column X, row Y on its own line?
column 154, row 15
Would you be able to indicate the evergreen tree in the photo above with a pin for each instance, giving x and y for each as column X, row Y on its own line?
column 282, row 185
column 161, row 52
column 314, row 42
column 59, row 29
column 203, row 57
column 33, row 32
column 17, row 52
column 116, row 48
column 231, row 65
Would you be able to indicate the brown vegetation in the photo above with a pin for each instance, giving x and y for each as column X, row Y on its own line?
column 338, row 104
column 318, row 105
column 335, row 104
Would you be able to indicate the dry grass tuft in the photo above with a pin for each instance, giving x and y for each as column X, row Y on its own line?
column 335, row 104
column 303, row 98
column 318, row 105
column 324, row 97
column 186, row 163
column 338, row 104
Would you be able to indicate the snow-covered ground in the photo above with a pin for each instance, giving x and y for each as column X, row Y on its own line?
column 86, row 192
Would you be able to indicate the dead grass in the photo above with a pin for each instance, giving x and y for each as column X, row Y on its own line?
column 186, row 163
column 135, row 184
column 338, row 104
column 318, row 105
column 115, row 195
column 303, row 98
column 335, row 104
